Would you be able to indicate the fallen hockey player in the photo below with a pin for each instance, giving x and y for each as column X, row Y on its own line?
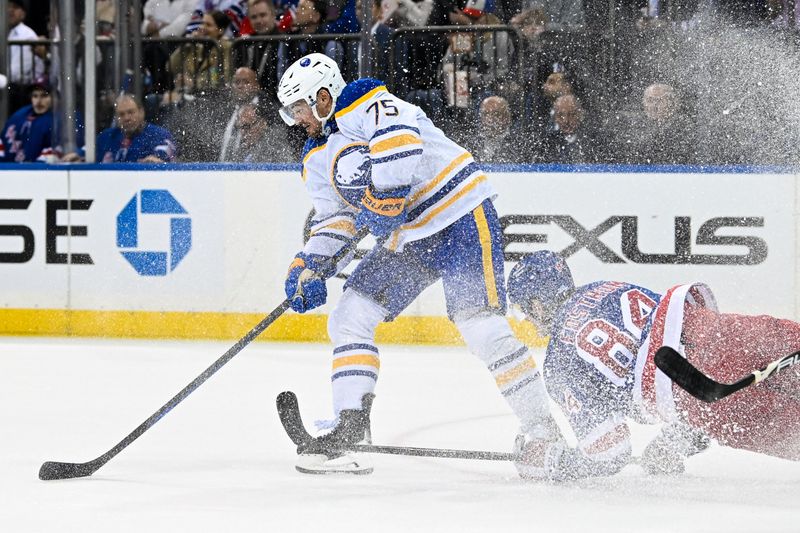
column 599, row 368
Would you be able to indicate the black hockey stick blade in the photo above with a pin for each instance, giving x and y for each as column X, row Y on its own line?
column 703, row 387
column 289, row 413
column 52, row 470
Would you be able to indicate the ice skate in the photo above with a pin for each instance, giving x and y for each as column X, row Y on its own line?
column 538, row 450
column 327, row 453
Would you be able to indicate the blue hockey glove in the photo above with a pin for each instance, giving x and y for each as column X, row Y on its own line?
column 382, row 211
column 305, row 284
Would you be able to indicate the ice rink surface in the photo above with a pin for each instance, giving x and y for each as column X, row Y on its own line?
column 221, row 462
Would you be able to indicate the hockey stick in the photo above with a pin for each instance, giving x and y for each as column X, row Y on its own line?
column 51, row 470
column 703, row 387
column 289, row 413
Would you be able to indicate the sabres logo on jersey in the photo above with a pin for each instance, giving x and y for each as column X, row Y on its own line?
column 351, row 172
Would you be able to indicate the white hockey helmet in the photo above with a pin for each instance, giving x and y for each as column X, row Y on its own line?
column 303, row 79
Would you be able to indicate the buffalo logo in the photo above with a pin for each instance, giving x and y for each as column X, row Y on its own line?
column 351, row 172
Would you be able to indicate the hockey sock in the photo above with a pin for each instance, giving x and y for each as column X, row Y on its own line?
column 356, row 361
column 513, row 368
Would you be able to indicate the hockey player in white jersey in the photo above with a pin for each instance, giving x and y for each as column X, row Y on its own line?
column 375, row 160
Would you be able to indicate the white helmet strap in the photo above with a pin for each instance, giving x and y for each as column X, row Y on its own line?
column 324, row 119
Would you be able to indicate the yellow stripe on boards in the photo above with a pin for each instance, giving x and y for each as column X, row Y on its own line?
column 485, row 237
column 364, row 359
column 528, row 365
column 290, row 327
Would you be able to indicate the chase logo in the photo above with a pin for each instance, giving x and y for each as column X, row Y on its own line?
column 154, row 202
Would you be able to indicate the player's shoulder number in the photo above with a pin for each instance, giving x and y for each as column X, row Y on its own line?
column 383, row 106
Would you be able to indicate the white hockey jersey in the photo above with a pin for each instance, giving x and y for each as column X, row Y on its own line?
column 406, row 149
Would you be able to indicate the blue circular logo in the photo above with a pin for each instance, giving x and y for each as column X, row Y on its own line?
column 305, row 62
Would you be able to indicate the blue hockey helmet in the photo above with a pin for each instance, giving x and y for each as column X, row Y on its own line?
column 539, row 284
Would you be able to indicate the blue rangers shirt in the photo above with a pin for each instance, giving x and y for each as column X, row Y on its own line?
column 590, row 367
column 114, row 147
column 28, row 137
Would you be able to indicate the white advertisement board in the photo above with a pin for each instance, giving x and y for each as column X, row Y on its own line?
column 217, row 241
column 736, row 232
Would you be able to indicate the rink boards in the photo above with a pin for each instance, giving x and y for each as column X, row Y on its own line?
column 200, row 251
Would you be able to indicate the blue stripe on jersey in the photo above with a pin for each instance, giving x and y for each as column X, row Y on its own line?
column 515, row 388
column 355, row 90
column 396, row 156
column 444, row 191
column 346, row 373
column 507, row 359
column 355, row 346
column 334, row 236
column 395, row 128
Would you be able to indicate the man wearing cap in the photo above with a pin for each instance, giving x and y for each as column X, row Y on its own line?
column 24, row 67
column 28, row 135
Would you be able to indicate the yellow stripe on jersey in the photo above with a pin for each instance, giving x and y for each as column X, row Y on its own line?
column 485, row 238
column 342, row 225
column 506, row 377
column 439, row 208
column 394, row 142
column 439, row 177
column 360, row 101
column 308, row 155
column 366, row 360
column 446, row 204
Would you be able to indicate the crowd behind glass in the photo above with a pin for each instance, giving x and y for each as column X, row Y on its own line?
column 707, row 82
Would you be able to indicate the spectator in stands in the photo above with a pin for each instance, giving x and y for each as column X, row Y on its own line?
column 259, row 142
column 530, row 22
column 24, row 65
column 166, row 18
column 482, row 60
column 572, row 142
column 28, row 135
column 244, row 91
column 664, row 133
column 133, row 139
column 423, row 53
column 163, row 19
column 307, row 20
column 556, row 84
column 495, row 143
column 234, row 10
column 207, row 63
column 190, row 119
column 261, row 56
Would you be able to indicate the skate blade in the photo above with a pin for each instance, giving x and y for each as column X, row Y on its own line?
column 322, row 465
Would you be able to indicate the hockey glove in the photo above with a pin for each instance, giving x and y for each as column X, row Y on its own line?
column 305, row 283
column 382, row 211
column 665, row 455
column 543, row 454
